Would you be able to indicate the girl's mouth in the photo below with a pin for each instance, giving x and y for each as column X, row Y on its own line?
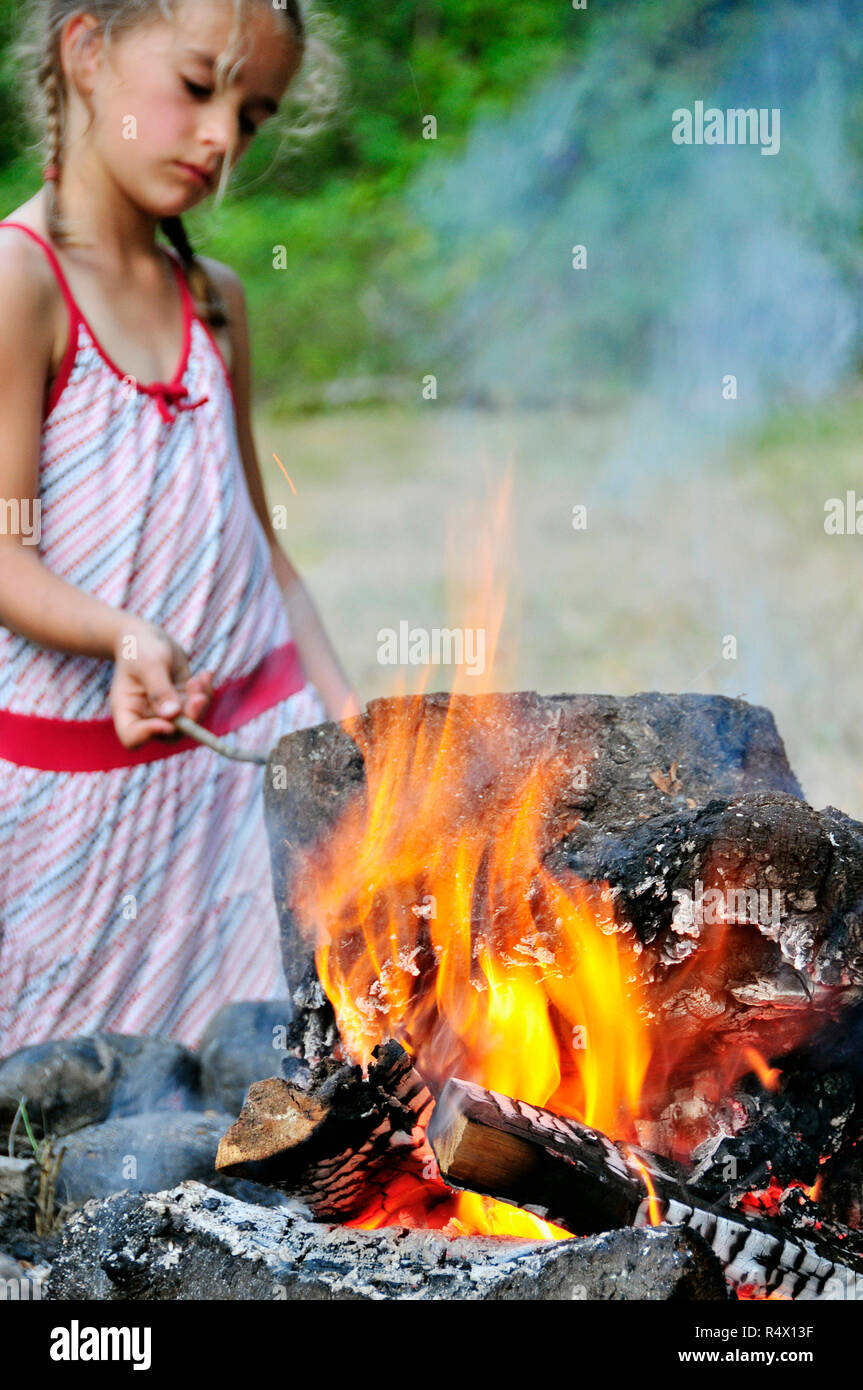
column 199, row 175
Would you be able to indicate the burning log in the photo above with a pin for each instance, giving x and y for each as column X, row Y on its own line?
column 579, row 1179
column 737, row 909
column 762, row 859
column 627, row 761
column 574, row 1175
column 331, row 1138
column 609, row 907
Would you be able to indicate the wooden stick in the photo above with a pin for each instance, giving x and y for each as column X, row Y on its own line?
column 201, row 735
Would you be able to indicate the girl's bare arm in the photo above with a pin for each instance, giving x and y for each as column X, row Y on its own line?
column 316, row 651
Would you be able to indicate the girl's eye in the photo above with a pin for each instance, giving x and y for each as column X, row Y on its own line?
column 196, row 90
column 247, row 127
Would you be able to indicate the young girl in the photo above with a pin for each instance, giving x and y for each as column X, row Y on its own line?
column 140, row 577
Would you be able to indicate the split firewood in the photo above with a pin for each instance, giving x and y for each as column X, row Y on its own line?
column 504, row 1148
column 331, row 1137
column 579, row 1179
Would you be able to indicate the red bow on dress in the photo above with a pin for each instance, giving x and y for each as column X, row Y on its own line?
column 163, row 392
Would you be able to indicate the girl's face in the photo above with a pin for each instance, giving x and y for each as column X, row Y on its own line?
column 157, row 113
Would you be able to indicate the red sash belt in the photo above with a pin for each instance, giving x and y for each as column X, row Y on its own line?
column 92, row 745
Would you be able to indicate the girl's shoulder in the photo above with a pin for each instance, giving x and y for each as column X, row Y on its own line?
column 23, row 260
column 31, row 212
column 19, row 249
column 227, row 280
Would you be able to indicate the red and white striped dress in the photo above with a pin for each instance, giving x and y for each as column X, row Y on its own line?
column 135, row 888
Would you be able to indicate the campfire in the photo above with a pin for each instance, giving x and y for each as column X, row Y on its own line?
column 564, row 965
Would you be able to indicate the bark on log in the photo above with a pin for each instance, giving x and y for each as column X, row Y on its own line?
column 311, row 777
column 579, row 1179
column 760, row 841
column 771, row 984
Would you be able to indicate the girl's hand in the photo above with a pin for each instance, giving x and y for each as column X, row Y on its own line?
column 152, row 684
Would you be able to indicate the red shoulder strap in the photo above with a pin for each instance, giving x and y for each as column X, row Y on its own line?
column 55, row 265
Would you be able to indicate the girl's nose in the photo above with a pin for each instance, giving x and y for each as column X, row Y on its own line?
column 216, row 140
column 220, row 130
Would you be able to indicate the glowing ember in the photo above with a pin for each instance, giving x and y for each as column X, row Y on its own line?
column 428, row 1204
column 755, row 1293
column 765, row 1202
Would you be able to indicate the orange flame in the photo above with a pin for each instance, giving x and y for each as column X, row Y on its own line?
column 478, row 1213
column 492, row 969
column 767, row 1075
column 814, row 1192
column 465, row 948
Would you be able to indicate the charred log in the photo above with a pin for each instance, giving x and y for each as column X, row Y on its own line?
column 581, row 1180
column 788, row 1136
column 191, row 1244
column 311, row 777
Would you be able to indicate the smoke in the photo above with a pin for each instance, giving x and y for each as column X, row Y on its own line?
column 701, row 261
column 721, row 290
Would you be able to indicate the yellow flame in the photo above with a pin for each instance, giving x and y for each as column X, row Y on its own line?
column 653, row 1209
column 477, row 1213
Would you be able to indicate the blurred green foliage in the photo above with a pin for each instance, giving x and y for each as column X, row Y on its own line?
column 375, row 261
column 334, row 200
column 336, row 204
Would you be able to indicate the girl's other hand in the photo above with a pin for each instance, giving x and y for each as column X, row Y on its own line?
column 152, row 684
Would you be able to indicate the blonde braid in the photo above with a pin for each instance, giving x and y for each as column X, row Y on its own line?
column 207, row 296
column 51, row 85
